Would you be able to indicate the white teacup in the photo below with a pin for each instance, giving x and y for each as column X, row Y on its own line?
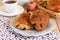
column 10, row 5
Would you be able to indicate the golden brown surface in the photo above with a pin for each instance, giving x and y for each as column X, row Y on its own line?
column 26, row 20
column 53, row 5
column 22, row 22
column 40, row 19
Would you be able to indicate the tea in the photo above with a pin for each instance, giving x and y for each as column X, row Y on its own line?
column 10, row 2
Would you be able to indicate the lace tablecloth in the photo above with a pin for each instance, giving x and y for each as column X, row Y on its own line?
column 6, row 33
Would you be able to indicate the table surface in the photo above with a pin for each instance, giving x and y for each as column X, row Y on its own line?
column 56, row 28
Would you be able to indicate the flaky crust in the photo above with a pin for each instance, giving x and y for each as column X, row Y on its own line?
column 40, row 19
column 53, row 5
column 22, row 22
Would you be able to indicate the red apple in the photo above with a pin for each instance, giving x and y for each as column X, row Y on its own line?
column 31, row 6
column 38, row 0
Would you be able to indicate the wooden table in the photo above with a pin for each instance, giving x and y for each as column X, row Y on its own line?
column 56, row 28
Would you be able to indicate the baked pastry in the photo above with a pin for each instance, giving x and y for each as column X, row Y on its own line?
column 53, row 5
column 22, row 22
column 40, row 20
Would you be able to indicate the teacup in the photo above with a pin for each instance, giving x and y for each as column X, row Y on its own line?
column 10, row 5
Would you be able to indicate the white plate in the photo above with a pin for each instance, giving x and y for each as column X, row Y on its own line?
column 52, row 25
column 20, row 10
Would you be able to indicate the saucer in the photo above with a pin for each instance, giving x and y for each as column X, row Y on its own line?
column 19, row 9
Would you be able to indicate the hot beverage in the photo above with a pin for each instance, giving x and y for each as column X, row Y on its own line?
column 10, row 2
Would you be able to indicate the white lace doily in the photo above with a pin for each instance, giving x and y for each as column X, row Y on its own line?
column 6, row 33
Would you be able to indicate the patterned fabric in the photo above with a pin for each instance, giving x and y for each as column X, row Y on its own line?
column 6, row 33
